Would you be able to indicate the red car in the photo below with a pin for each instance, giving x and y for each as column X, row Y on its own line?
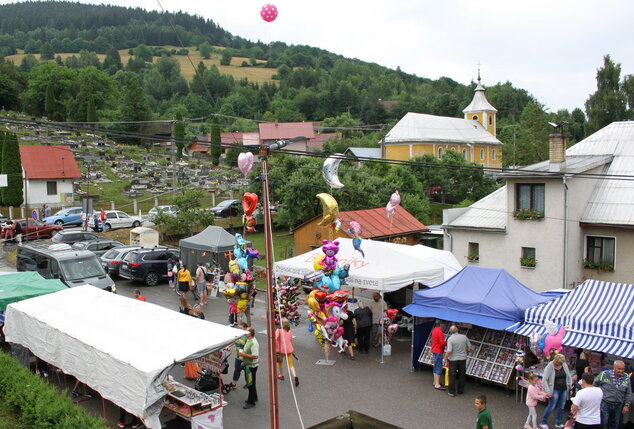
column 34, row 229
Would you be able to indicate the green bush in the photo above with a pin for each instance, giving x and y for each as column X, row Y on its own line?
column 38, row 403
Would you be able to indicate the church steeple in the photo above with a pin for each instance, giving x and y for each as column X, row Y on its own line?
column 480, row 109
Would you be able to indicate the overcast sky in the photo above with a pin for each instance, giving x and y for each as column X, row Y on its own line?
column 550, row 48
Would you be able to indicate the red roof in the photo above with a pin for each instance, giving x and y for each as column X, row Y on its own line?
column 375, row 223
column 317, row 143
column 49, row 162
column 286, row 130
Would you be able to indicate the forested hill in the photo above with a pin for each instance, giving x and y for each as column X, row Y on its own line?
column 80, row 62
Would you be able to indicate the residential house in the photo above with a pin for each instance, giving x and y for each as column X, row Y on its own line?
column 558, row 222
column 418, row 134
column 402, row 228
column 49, row 173
column 362, row 154
column 273, row 131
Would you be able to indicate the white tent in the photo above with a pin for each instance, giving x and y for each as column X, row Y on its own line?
column 384, row 268
column 121, row 347
column 437, row 257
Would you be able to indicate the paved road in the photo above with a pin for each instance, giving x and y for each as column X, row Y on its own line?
column 388, row 391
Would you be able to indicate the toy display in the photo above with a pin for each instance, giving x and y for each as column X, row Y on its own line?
column 239, row 289
column 287, row 301
column 354, row 230
column 494, row 356
column 249, row 204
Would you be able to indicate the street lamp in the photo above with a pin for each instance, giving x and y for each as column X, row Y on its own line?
column 265, row 151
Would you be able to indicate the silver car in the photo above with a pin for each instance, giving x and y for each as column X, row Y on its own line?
column 111, row 260
column 168, row 210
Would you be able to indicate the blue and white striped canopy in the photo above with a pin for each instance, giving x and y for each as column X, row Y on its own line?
column 598, row 316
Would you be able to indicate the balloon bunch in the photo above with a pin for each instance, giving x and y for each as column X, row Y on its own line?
column 354, row 230
column 325, row 312
column 328, row 276
column 287, row 301
column 389, row 327
column 249, row 204
column 549, row 343
column 390, row 208
column 239, row 281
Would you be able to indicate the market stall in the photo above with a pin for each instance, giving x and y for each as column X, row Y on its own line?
column 487, row 301
column 120, row 347
column 437, row 257
column 597, row 315
column 19, row 286
column 213, row 245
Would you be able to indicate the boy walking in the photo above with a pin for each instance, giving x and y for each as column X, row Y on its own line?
column 484, row 420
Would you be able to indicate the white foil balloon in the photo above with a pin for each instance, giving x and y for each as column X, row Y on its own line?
column 330, row 171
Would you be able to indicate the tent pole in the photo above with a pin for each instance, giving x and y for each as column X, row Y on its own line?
column 382, row 327
column 411, row 346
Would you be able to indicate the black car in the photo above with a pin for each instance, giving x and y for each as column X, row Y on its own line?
column 112, row 258
column 147, row 265
column 71, row 237
column 228, row 208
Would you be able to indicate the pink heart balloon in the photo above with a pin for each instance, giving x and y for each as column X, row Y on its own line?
column 245, row 162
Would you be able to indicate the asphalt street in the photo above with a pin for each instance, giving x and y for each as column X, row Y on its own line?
column 387, row 391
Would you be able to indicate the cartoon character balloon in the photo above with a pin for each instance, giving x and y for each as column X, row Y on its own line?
column 268, row 12
column 390, row 208
column 245, row 162
column 554, row 338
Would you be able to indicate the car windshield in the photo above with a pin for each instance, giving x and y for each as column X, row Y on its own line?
column 111, row 254
column 225, row 203
column 61, row 213
column 78, row 269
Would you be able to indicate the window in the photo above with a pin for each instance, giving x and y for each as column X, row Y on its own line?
column 600, row 249
column 528, row 257
column 111, row 215
column 474, row 252
column 492, row 153
column 530, row 196
column 439, row 152
column 481, row 154
column 122, row 215
column 490, row 120
column 464, row 154
column 51, row 188
column 475, row 117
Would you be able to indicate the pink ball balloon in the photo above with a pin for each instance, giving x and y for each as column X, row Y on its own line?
column 268, row 12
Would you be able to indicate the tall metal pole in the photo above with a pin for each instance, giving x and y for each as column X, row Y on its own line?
column 270, row 323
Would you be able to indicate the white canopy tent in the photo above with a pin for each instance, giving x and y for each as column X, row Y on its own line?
column 440, row 258
column 385, row 268
column 121, row 347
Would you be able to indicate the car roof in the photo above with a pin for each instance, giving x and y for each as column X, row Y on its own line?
column 97, row 240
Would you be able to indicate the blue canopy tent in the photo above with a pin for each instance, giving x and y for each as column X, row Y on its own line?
column 599, row 316
column 486, row 297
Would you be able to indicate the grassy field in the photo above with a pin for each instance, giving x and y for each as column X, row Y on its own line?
column 254, row 74
column 9, row 419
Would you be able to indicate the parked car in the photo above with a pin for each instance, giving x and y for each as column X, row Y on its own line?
column 98, row 247
column 227, row 208
column 148, row 265
column 71, row 237
column 34, row 229
column 168, row 210
column 60, row 261
column 111, row 260
column 68, row 216
column 3, row 218
column 116, row 219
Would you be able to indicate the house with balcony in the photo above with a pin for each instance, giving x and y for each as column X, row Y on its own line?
column 558, row 222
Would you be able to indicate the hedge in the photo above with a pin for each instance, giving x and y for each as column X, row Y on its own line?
column 38, row 403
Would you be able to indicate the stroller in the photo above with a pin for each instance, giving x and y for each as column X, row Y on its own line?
column 210, row 380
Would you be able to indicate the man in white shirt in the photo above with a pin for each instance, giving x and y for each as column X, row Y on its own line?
column 586, row 406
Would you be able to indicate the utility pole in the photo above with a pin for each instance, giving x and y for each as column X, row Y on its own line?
column 173, row 150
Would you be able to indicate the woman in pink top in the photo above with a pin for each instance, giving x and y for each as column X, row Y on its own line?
column 534, row 394
column 284, row 348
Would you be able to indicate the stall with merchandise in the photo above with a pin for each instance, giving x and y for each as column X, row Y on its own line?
column 484, row 302
column 112, row 346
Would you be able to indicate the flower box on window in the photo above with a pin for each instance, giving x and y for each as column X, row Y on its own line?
column 473, row 257
column 528, row 262
column 528, row 214
column 599, row 265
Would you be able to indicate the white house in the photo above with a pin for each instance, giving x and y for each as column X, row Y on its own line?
column 49, row 173
column 558, row 222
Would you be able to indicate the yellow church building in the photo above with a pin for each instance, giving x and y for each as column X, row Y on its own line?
column 418, row 134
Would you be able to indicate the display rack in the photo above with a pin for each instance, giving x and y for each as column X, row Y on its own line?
column 493, row 355
column 188, row 402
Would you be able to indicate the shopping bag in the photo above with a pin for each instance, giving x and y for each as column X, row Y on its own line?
column 446, row 376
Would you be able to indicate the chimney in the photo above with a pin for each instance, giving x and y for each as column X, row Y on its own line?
column 557, row 151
